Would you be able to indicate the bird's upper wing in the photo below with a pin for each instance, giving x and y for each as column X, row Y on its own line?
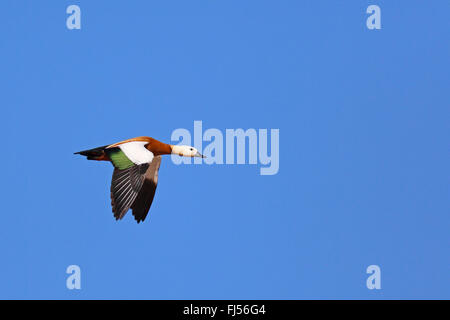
column 128, row 154
column 145, row 197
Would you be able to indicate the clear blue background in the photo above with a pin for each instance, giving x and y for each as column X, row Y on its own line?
column 364, row 154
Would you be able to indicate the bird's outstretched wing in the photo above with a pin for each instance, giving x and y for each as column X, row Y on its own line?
column 131, row 161
column 144, row 200
column 125, row 187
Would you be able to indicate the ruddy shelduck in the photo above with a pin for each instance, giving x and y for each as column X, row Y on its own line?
column 136, row 163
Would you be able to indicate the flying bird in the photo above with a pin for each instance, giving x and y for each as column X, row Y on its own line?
column 136, row 163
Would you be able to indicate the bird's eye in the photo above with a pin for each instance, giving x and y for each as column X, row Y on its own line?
column 192, row 149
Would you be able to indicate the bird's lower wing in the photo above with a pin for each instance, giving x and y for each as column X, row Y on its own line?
column 144, row 200
column 125, row 187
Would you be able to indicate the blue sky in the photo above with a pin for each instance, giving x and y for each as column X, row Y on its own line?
column 364, row 125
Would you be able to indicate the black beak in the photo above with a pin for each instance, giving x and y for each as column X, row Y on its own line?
column 198, row 154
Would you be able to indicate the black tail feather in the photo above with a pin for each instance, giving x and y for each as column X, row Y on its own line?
column 91, row 154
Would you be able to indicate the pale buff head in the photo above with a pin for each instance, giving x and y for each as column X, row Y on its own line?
column 186, row 151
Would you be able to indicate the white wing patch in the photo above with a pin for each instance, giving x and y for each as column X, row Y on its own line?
column 137, row 152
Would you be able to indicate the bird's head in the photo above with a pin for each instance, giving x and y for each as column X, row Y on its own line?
column 186, row 151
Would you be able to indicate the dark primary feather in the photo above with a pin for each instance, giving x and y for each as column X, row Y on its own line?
column 125, row 187
column 144, row 200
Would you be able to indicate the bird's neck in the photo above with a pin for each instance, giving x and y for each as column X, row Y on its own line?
column 159, row 148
